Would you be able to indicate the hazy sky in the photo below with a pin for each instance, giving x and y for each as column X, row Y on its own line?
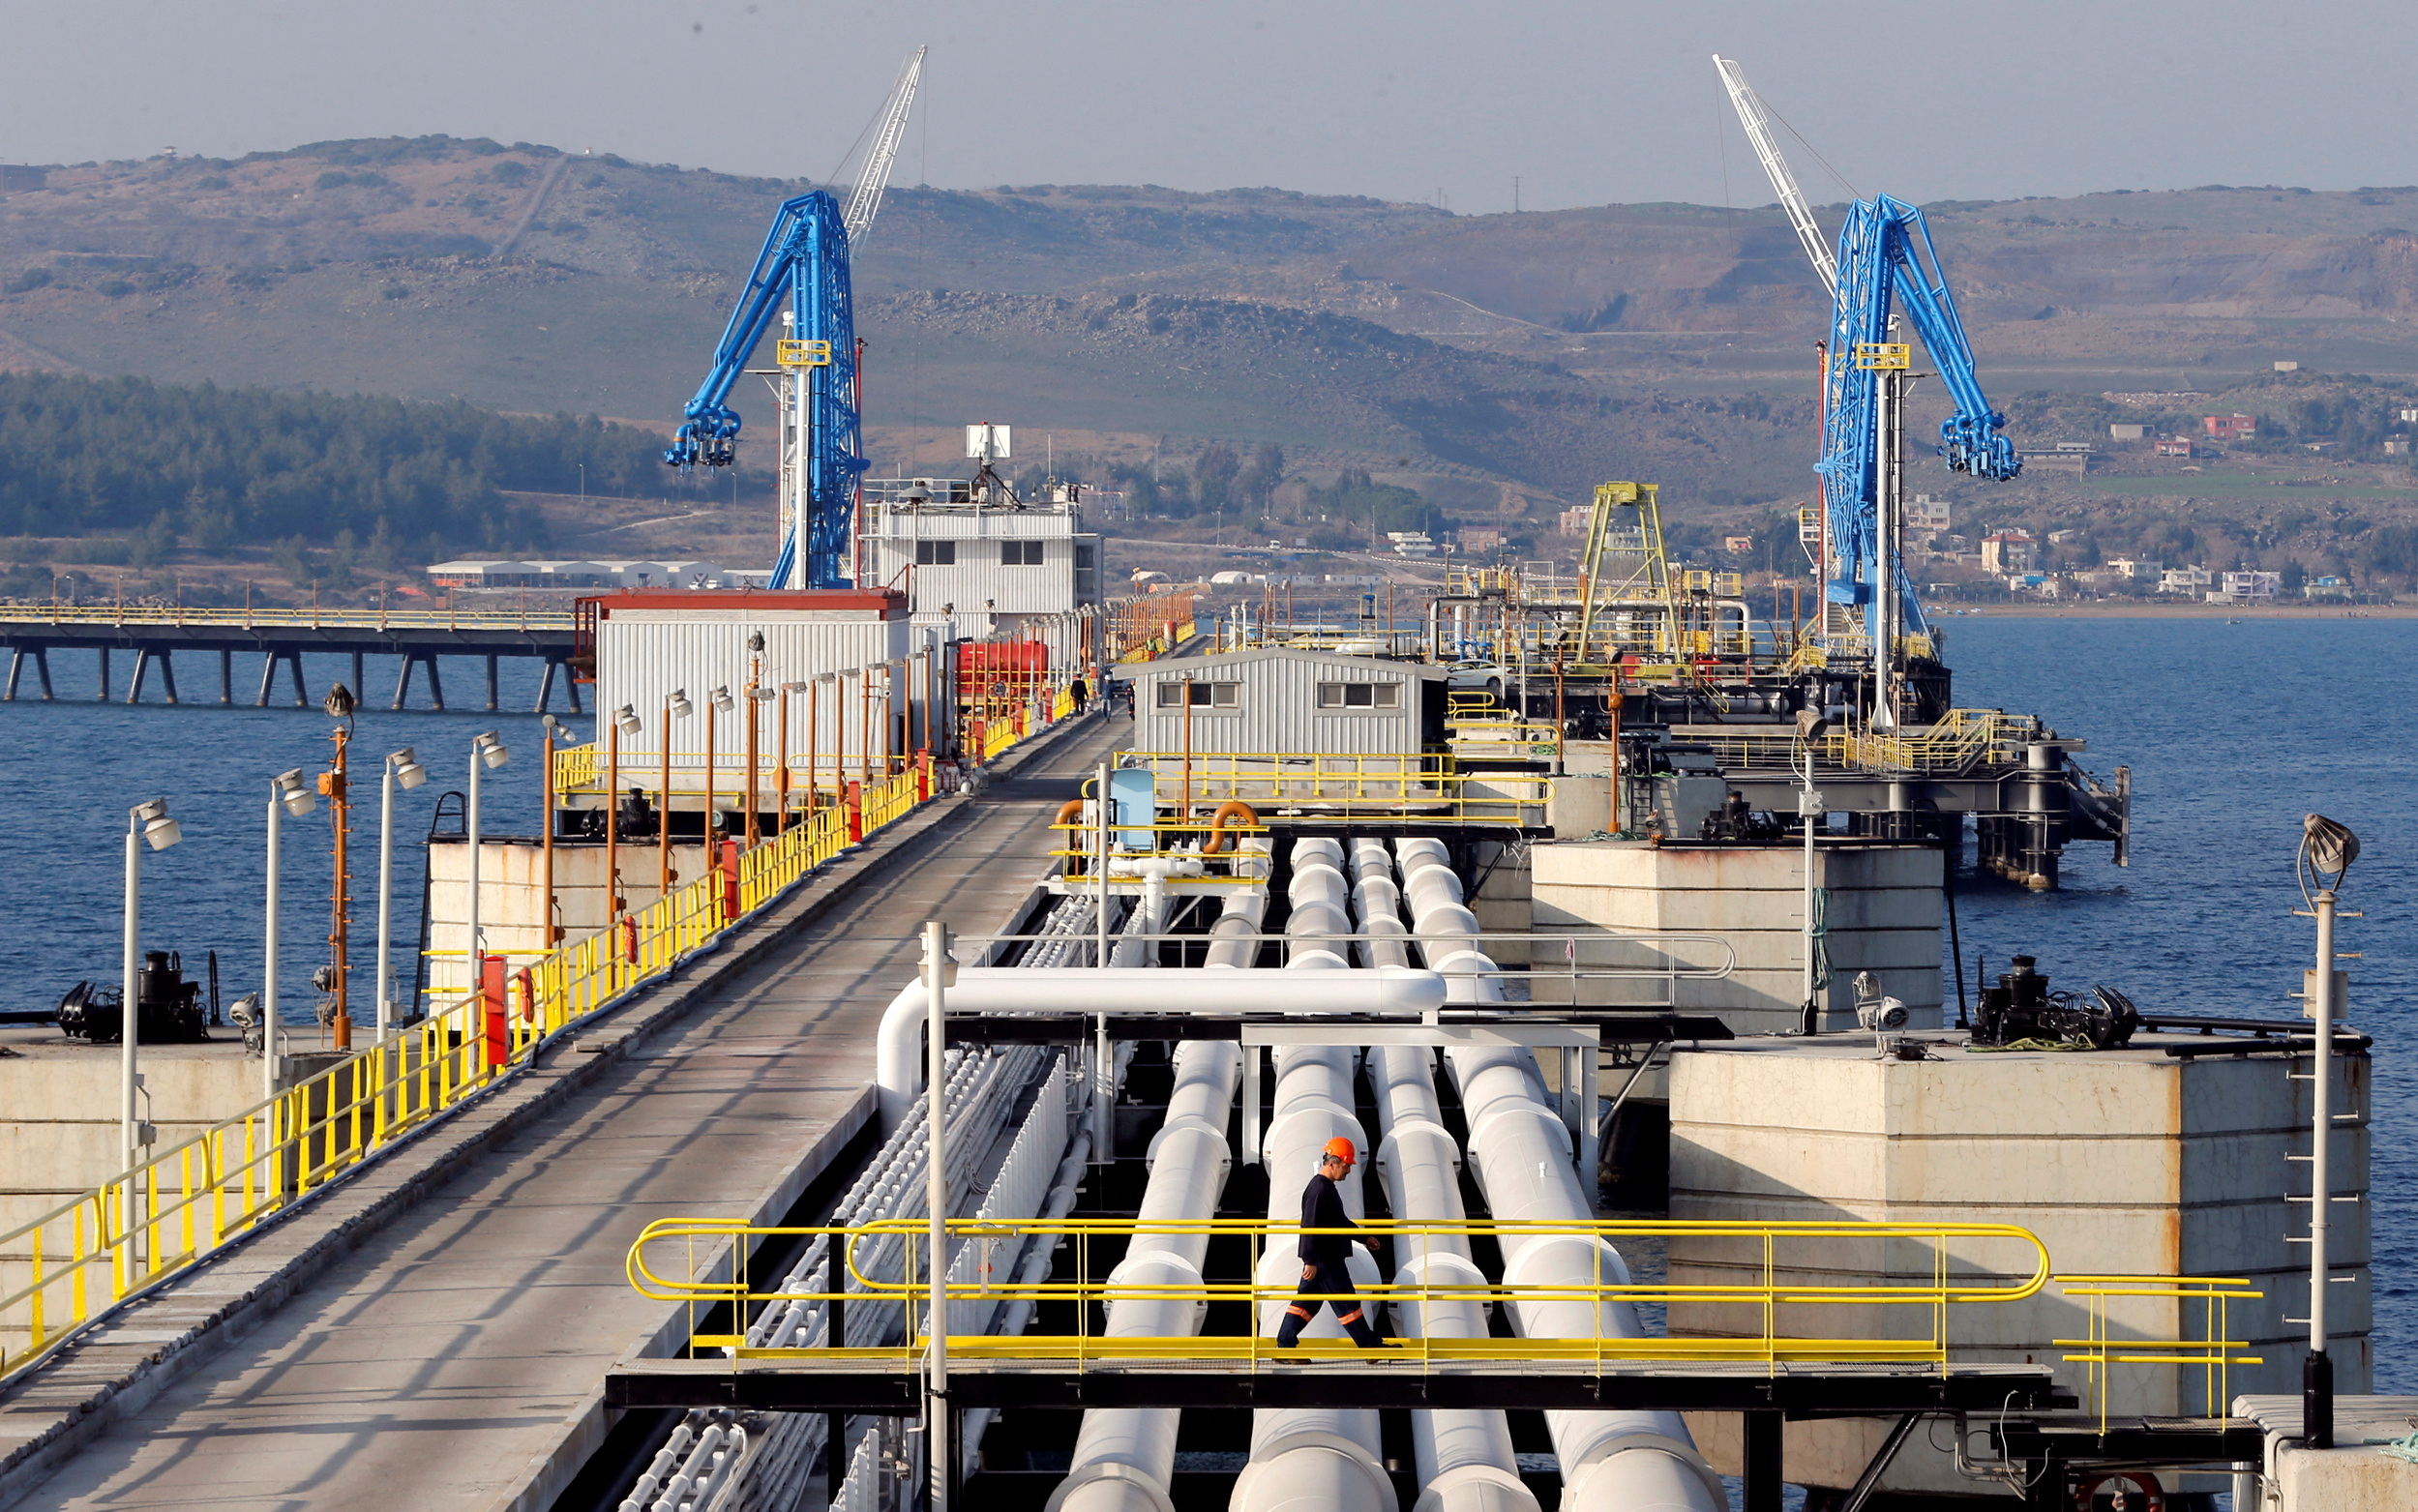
column 1585, row 102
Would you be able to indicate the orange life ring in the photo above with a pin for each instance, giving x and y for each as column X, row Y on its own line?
column 2153, row 1499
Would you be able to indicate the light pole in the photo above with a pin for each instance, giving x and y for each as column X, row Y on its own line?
column 485, row 750
column 718, row 702
column 2325, row 846
column 402, row 770
column 675, row 707
column 939, row 973
column 624, row 722
column 1811, row 728
column 145, row 823
column 780, row 772
column 288, row 793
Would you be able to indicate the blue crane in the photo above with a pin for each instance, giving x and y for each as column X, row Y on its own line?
column 1884, row 248
column 802, row 272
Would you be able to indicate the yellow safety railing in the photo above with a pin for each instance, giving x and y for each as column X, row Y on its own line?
column 1962, row 740
column 2212, row 1354
column 581, row 769
column 153, row 1221
column 1376, row 787
column 280, row 618
column 714, row 1256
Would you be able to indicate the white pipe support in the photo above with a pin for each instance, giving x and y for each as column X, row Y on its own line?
column 898, row 1074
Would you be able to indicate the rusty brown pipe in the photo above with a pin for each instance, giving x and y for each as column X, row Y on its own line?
column 1234, row 808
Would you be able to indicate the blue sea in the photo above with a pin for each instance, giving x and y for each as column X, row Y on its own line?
column 2233, row 731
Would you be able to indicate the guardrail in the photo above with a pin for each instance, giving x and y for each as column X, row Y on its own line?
column 716, row 1254
column 285, row 619
column 1378, row 788
column 149, row 1223
column 2211, row 1354
column 1963, row 740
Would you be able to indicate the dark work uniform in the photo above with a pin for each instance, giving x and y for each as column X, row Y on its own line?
column 1321, row 1207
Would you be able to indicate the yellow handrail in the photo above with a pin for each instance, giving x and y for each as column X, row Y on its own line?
column 713, row 1247
column 2212, row 1354
column 146, row 1224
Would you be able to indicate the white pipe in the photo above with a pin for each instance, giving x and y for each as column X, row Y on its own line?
column 1124, row 1458
column 1464, row 1458
column 1611, row 1462
column 1325, row 1459
column 981, row 990
column 1231, row 947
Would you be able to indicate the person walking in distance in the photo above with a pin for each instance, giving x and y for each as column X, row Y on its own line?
column 1325, row 1276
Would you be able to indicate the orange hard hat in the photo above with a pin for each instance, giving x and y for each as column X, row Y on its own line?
column 1340, row 1148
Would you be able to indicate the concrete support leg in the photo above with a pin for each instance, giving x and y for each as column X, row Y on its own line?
column 17, row 664
column 42, row 670
column 268, row 680
column 360, row 675
column 490, row 685
column 227, row 676
column 302, row 695
column 403, row 689
column 437, row 691
column 167, row 673
column 142, row 669
column 546, row 688
column 571, row 686
column 1763, row 1468
column 103, row 696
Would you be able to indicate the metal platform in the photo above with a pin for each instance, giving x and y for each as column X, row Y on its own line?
column 1351, row 1380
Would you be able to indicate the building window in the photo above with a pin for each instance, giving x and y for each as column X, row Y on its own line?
column 1204, row 696
column 936, row 554
column 1360, row 696
column 1020, row 553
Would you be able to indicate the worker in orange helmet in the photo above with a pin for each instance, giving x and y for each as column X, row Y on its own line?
column 1325, row 1276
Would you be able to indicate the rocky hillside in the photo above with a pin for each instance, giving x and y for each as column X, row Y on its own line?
column 1530, row 353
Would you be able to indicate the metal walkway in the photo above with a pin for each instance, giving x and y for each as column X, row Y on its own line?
column 462, row 1349
column 153, row 633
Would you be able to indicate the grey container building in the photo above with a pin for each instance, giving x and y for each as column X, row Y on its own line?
column 1280, row 701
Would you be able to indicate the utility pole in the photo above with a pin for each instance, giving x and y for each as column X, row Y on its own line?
column 339, row 705
column 1515, row 194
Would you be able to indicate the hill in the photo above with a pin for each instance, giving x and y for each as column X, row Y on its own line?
column 1507, row 360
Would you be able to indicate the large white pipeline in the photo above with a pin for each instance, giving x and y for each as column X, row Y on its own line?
column 1125, row 1457
column 1464, row 1457
column 1611, row 1462
column 1313, row 1459
column 898, row 1053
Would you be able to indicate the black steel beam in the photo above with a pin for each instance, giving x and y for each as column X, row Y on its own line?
column 2134, row 1441
column 817, row 1387
column 1645, row 1028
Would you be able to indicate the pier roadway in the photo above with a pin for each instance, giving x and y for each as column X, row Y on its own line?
column 457, row 1357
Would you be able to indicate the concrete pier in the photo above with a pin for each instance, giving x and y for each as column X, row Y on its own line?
column 2123, row 1162
column 454, row 1358
column 1884, row 917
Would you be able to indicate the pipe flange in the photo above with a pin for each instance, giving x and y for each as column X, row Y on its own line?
column 1476, row 1488
column 1133, row 1482
column 1591, row 1463
column 1267, row 1464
